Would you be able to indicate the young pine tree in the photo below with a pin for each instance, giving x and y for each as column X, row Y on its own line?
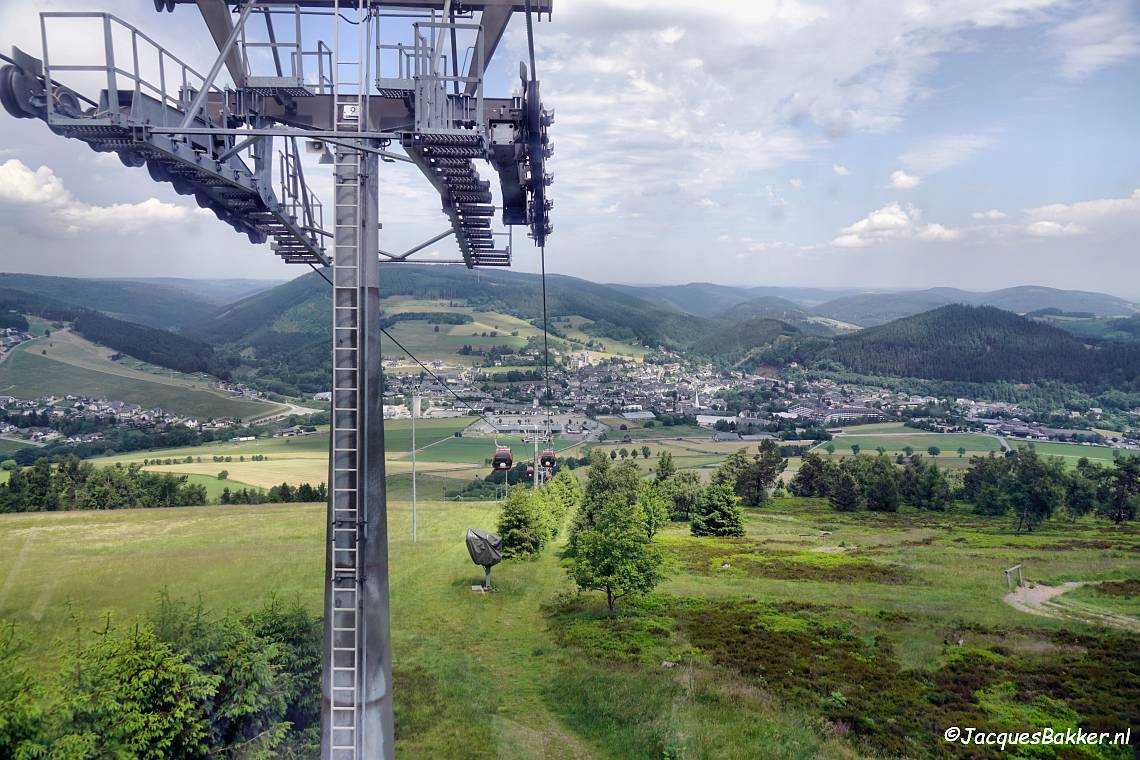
column 522, row 524
column 718, row 513
column 844, row 493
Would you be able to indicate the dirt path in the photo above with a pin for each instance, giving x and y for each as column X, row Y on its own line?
column 1044, row 601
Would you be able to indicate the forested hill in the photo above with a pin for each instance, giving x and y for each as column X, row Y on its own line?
column 283, row 333
column 982, row 344
column 615, row 313
column 870, row 309
column 159, row 347
column 734, row 341
column 146, row 303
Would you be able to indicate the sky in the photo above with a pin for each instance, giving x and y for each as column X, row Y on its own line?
column 836, row 143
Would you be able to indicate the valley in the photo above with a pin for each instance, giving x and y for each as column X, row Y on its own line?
column 826, row 626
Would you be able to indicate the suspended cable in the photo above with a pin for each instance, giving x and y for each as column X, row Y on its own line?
column 541, row 248
column 545, row 334
column 422, row 365
column 530, row 40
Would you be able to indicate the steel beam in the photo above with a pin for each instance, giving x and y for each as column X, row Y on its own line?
column 358, row 651
column 538, row 6
column 218, row 22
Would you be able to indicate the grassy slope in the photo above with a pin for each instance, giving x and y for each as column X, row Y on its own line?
column 304, row 459
column 8, row 447
column 66, row 363
column 586, row 691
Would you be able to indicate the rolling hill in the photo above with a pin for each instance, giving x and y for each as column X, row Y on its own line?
column 283, row 333
column 733, row 341
column 146, row 303
column 216, row 291
column 981, row 344
column 870, row 309
column 704, row 299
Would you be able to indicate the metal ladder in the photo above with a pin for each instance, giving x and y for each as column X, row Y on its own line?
column 347, row 528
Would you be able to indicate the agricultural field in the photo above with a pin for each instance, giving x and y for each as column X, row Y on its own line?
column 422, row 340
column 816, row 635
column 1072, row 452
column 949, row 443
column 66, row 363
column 303, row 459
column 8, row 446
column 638, row 429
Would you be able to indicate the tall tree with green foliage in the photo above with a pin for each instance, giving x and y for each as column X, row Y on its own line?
column 654, row 506
column 684, row 491
column 766, row 467
column 733, row 468
column 1120, row 500
column 813, row 478
column 566, row 497
column 718, row 513
column 1082, row 488
column 605, row 480
column 880, row 484
column 844, row 495
column 613, row 554
column 1038, row 488
column 522, row 524
column 665, row 467
column 932, row 490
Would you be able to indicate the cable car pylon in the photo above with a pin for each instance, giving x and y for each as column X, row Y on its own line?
column 365, row 97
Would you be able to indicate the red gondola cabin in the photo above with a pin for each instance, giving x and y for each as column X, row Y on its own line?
column 547, row 459
column 502, row 459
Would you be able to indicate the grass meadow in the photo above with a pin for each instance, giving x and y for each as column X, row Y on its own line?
column 816, row 635
column 65, row 363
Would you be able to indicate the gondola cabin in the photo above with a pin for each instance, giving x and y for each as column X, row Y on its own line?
column 502, row 459
column 547, row 459
column 530, row 470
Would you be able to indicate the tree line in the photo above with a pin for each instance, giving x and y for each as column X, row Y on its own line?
column 873, row 483
column 282, row 494
column 1021, row 484
column 74, row 484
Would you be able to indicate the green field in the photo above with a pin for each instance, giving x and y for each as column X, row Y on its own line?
column 949, row 443
column 752, row 647
column 66, row 364
column 638, row 429
column 9, row 447
column 422, row 340
column 1071, row 451
column 304, row 459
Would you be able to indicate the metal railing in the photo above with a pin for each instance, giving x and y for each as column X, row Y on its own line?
column 422, row 68
column 177, row 82
column 295, row 199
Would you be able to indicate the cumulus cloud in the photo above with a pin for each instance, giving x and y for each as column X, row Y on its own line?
column 894, row 221
column 796, row 182
column 1086, row 211
column 644, row 101
column 841, row 170
column 1054, row 229
column 44, row 195
column 992, row 215
column 900, row 180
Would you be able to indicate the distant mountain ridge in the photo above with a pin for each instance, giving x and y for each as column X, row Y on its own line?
column 870, row 309
column 144, row 303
